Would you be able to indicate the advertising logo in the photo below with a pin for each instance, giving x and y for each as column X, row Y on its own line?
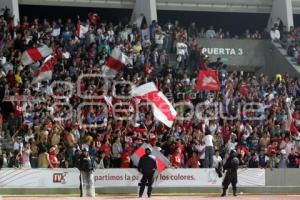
column 59, row 178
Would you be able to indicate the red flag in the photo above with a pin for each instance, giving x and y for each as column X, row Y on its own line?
column 208, row 80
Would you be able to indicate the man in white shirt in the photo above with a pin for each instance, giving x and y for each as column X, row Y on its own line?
column 159, row 39
column 275, row 34
column 182, row 53
column 217, row 160
column 211, row 33
column 209, row 149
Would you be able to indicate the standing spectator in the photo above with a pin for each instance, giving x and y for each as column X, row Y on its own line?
column 25, row 154
column 209, row 149
column 159, row 39
column 192, row 31
column 292, row 159
column 283, row 160
column 211, row 33
column 43, row 159
column 116, row 152
column 217, row 159
column 54, row 163
column 275, row 34
column 181, row 53
column 14, row 159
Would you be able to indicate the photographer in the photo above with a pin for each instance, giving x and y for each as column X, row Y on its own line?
column 231, row 166
column 86, row 175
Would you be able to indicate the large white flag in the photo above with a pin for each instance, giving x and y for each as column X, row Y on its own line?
column 162, row 108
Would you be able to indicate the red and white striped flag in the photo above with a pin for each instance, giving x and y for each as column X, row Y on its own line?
column 45, row 71
column 162, row 108
column 35, row 54
column 81, row 30
column 115, row 62
column 161, row 161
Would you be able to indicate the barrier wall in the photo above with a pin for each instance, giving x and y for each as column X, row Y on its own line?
column 107, row 178
column 124, row 181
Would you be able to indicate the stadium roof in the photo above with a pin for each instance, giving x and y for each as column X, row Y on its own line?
column 246, row 6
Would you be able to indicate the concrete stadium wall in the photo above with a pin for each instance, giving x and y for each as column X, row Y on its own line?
column 277, row 62
column 257, row 56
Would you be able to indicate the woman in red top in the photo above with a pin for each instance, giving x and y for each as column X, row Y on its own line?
column 193, row 162
column 54, row 163
column 106, row 149
column 125, row 156
column 177, row 159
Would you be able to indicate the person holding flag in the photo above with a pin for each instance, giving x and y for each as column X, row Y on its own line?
column 147, row 166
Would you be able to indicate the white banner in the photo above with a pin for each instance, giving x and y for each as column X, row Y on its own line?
column 177, row 178
column 39, row 178
column 69, row 178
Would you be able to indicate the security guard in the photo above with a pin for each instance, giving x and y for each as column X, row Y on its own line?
column 147, row 166
column 86, row 175
column 231, row 166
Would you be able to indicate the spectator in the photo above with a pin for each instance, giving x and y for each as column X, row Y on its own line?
column 217, row 159
column 182, row 53
column 283, row 161
column 253, row 162
column 292, row 159
column 192, row 30
column 275, row 34
column 54, row 163
column 99, row 162
column 116, row 152
column 263, row 159
column 209, row 149
column 210, row 33
column 43, row 159
column 193, row 161
column 25, row 156
column 177, row 158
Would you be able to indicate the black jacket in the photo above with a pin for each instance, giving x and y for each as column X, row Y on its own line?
column 86, row 164
column 147, row 165
column 231, row 165
column 1, row 161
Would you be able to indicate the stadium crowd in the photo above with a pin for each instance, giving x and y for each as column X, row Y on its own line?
column 44, row 135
